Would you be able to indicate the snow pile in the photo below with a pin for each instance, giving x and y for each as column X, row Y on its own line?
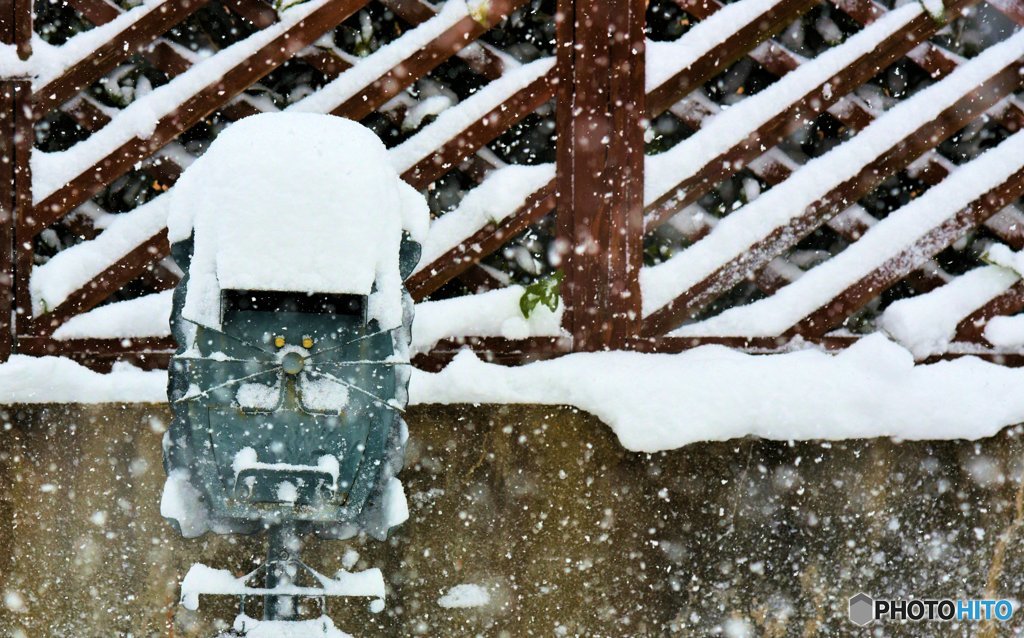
column 926, row 324
column 181, row 501
column 322, row 394
column 657, row 401
column 295, row 202
column 258, row 396
column 247, row 459
column 663, row 401
column 465, row 596
column 25, row 379
column 147, row 316
column 1005, row 332
column 492, row 313
column 396, row 506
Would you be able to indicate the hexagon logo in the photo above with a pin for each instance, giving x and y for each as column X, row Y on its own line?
column 862, row 609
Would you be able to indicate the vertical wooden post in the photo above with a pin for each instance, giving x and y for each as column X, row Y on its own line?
column 600, row 168
column 15, row 147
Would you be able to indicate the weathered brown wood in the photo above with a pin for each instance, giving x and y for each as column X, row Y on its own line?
column 96, row 11
column 791, row 119
column 971, row 328
column 832, row 314
column 24, row 135
column 16, row 25
column 50, row 346
column 778, row 60
column 201, row 104
column 480, row 244
column 256, row 12
column 601, row 106
column 457, row 37
column 482, row 60
column 328, row 63
column 444, row 265
column 484, row 130
column 412, row 11
column 101, row 287
column 494, row 350
column 734, row 48
column 100, row 354
column 926, row 136
column 129, row 41
column 7, row 203
column 85, row 112
column 750, row 344
column 1012, row 9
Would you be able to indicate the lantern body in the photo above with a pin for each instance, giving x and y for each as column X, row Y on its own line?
column 290, row 411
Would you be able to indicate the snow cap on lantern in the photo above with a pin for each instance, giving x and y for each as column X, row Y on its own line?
column 295, row 202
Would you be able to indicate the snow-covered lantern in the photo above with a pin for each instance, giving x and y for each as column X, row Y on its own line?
column 294, row 234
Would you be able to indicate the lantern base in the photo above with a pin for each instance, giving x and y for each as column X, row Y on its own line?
column 245, row 627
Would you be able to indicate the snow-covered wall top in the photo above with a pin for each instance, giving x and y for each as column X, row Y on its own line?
column 295, row 202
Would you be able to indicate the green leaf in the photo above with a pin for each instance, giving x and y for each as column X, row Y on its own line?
column 545, row 291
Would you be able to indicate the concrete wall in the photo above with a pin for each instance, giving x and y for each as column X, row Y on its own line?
column 572, row 534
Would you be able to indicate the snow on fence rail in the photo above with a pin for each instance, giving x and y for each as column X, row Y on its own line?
column 605, row 203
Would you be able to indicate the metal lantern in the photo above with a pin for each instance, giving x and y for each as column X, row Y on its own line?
column 291, row 411
column 287, row 395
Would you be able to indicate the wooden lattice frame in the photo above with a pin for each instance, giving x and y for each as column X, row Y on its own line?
column 597, row 188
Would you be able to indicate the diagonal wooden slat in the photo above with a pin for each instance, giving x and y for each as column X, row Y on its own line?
column 736, row 46
column 101, row 287
column 790, row 119
column 480, row 244
column 924, row 137
column 117, row 49
column 397, row 79
column 481, row 131
column 778, row 60
column 972, row 327
column 200, row 104
column 479, row 56
column 484, row 242
column 912, row 256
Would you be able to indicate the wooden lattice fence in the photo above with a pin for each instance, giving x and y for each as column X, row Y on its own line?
column 605, row 197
